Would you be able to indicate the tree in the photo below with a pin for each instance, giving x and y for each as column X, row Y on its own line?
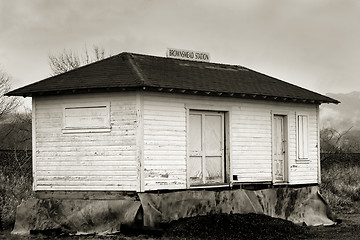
column 332, row 141
column 69, row 59
column 7, row 104
column 15, row 164
column 15, row 132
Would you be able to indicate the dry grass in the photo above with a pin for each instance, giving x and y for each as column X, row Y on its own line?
column 15, row 184
column 341, row 185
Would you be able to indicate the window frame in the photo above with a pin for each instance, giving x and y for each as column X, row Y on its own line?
column 302, row 155
column 86, row 129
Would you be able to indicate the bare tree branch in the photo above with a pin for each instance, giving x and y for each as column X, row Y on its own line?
column 68, row 59
column 342, row 134
column 7, row 104
column 65, row 61
column 332, row 141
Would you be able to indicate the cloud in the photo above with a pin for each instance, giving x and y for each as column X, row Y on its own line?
column 310, row 43
column 344, row 115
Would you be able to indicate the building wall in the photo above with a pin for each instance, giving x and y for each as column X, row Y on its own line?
column 164, row 142
column 165, row 145
column 148, row 138
column 87, row 160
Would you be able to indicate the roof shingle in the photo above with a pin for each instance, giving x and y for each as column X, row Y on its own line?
column 128, row 71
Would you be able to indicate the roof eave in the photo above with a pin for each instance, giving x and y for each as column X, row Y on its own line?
column 242, row 95
column 174, row 90
column 72, row 91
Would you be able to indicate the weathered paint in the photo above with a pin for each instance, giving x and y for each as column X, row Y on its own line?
column 139, row 141
column 147, row 145
column 33, row 142
column 279, row 148
column 206, row 148
column 318, row 145
column 165, row 133
column 85, row 160
column 164, row 144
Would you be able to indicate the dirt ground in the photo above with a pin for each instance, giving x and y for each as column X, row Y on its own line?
column 236, row 226
column 348, row 229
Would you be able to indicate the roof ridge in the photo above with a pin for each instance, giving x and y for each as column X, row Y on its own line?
column 135, row 67
column 189, row 61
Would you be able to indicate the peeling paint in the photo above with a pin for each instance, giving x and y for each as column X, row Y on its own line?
column 165, row 175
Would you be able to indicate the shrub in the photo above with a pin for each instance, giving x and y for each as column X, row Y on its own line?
column 341, row 183
column 15, row 183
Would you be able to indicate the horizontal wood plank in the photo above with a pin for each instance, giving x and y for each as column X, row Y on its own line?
column 86, row 161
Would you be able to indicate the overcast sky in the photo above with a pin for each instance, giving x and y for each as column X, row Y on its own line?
column 311, row 43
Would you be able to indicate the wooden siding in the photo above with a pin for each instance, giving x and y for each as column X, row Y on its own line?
column 85, row 161
column 165, row 132
column 164, row 143
column 146, row 148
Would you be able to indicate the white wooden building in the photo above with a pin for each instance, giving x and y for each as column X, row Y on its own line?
column 140, row 123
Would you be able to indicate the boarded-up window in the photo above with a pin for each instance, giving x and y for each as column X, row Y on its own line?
column 89, row 118
column 302, row 136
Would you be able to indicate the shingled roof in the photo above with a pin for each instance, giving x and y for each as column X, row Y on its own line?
column 129, row 71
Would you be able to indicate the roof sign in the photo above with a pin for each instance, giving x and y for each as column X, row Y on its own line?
column 188, row 55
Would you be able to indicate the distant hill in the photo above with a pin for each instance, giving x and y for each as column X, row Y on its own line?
column 344, row 115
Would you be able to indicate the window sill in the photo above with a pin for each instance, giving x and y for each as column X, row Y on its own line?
column 86, row 130
column 302, row 161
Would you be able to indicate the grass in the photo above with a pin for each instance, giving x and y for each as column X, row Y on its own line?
column 341, row 183
column 15, row 184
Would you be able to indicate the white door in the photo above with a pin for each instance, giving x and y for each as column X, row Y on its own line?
column 206, row 148
column 279, row 149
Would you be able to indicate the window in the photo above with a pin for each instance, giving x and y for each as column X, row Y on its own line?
column 86, row 118
column 302, row 137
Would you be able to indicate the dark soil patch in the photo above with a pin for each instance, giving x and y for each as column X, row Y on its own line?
column 221, row 226
column 235, row 226
column 224, row 226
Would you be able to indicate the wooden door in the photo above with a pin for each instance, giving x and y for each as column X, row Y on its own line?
column 206, row 148
column 279, row 149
